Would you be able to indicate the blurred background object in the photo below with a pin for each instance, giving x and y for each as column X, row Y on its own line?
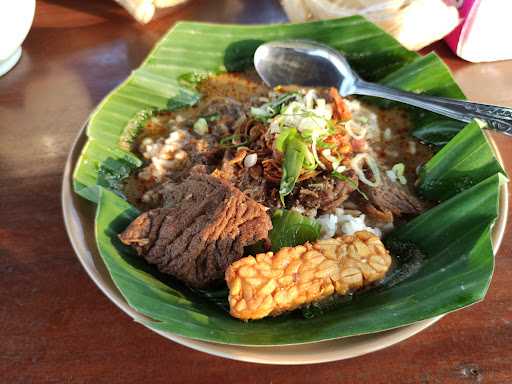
column 15, row 21
column 474, row 29
column 144, row 10
column 484, row 32
column 414, row 23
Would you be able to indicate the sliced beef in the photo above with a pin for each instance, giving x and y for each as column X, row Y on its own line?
column 203, row 227
column 391, row 199
column 248, row 180
column 325, row 193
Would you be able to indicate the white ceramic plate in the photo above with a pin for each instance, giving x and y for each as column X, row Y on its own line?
column 79, row 221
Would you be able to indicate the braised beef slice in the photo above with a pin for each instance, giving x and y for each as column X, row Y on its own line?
column 142, row 232
column 325, row 193
column 203, row 227
column 391, row 198
column 248, row 180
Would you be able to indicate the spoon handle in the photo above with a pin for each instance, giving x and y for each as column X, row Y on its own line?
column 498, row 118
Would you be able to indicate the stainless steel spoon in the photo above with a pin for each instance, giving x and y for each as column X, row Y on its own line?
column 307, row 63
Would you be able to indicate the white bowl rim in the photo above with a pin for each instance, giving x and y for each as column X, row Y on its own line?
column 297, row 354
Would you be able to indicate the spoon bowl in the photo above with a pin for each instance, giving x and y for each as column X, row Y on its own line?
column 306, row 63
column 311, row 64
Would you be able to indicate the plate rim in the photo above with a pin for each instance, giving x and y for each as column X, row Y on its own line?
column 296, row 354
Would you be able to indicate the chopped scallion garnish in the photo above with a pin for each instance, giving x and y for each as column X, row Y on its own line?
column 212, row 117
column 351, row 182
column 233, row 141
column 398, row 170
column 191, row 79
column 272, row 108
column 200, row 126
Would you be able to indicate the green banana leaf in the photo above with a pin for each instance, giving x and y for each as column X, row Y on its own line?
column 441, row 265
column 450, row 172
column 456, row 267
column 87, row 170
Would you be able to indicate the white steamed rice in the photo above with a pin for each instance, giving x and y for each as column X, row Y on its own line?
column 342, row 223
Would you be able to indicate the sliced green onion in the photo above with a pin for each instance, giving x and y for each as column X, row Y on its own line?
column 260, row 113
column 323, row 145
column 191, row 79
column 272, row 108
column 283, row 135
column 335, row 161
column 363, row 119
column 211, row 117
column 201, row 126
column 398, row 170
column 355, row 131
column 233, row 141
column 309, row 160
column 351, row 182
column 292, row 165
column 314, row 138
column 357, row 166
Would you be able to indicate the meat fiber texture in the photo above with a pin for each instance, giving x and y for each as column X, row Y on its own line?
column 202, row 228
column 391, row 199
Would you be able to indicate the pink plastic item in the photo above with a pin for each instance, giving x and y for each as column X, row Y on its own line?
column 453, row 37
column 483, row 32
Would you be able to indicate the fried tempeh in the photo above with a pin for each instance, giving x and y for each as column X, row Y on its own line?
column 272, row 283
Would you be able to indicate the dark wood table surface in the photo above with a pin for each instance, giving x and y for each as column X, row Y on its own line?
column 55, row 324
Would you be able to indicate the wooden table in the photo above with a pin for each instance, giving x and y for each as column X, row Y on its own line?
column 57, row 327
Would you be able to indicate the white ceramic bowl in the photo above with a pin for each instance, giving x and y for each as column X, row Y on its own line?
column 16, row 18
column 79, row 221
